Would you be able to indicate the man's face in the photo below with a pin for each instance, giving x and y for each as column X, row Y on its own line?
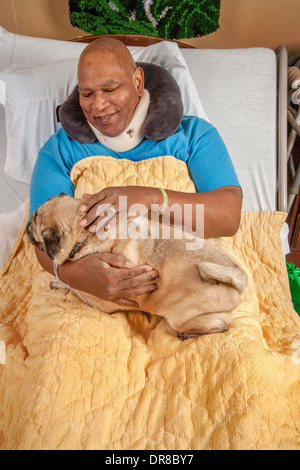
column 109, row 94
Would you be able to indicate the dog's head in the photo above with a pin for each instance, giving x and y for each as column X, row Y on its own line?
column 54, row 227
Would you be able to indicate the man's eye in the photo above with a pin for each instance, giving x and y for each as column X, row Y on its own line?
column 86, row 95
column 110, row 90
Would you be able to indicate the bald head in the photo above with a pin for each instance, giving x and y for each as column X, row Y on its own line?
column 108, row 49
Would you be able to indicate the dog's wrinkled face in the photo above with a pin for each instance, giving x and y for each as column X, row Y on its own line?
column 49, row 241
column 52, row 225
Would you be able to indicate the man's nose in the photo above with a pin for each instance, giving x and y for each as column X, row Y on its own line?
column 100, row 102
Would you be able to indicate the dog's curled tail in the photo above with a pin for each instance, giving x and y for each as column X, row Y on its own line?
column 233, row 275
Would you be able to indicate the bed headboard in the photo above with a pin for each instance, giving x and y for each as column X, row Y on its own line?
column 132, row 40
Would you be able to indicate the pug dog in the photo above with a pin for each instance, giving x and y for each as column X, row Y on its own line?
column 197, row 289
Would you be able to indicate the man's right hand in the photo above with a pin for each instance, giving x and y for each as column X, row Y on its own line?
column 110, row 277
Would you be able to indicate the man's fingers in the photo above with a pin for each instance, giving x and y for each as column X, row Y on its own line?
column 109, row 220
column 136, row 284
column 91, row 200
column 99, row 215
column 116, row 260
column 137, row 276
column 140, row 290
column 126, row 302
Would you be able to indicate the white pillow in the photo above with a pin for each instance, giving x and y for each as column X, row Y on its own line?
column 18, row 51
column 30, row 98
column 168, row 55
column 35, row 82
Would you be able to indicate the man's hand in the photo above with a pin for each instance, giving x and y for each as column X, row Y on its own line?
column 110, row 277
column 97, row 206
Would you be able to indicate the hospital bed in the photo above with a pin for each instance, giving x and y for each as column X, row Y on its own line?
column 75, row 378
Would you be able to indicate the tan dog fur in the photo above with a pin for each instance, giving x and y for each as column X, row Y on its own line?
column 197, row 289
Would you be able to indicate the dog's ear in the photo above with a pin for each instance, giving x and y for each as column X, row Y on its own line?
column 58, row 195
column 29, row 231
column 214, row 272
column 52, row 239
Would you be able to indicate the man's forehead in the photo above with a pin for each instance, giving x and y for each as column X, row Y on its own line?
column 100, row 85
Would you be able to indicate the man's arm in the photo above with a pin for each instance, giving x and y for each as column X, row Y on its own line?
column 105, row 275
column 222, row 210
column 222, row 207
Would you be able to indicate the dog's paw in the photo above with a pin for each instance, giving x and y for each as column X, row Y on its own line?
column 57, row 284
column 53, row 283
column 184, row 336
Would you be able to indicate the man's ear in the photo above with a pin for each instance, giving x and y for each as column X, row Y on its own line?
column 52, row 238
column 138, row 78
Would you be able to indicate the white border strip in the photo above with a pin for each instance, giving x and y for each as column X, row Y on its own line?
column 2, row 353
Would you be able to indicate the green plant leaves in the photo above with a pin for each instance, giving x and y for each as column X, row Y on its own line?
column 172, row 19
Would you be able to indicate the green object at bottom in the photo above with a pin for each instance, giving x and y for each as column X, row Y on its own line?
column 293, row 274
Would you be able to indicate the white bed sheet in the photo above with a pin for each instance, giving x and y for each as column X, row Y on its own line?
column 237, row 88
column 12, row 192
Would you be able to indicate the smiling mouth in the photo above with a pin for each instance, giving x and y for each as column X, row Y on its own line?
column 104, row 119
column 107, row 125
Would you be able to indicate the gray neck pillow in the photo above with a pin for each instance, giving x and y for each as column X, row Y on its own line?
column 164, row 115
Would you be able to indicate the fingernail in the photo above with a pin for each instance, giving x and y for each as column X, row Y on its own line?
column 82, row 208
column 93, row 228
column 154, row 287
column 148, row 268
column 83, row 222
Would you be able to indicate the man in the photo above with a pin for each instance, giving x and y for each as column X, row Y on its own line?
column 111, row 90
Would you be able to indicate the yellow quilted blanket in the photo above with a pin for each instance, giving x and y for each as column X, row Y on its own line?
column 75, row 378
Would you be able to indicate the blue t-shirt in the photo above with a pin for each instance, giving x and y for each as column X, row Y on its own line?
column 196, row 142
